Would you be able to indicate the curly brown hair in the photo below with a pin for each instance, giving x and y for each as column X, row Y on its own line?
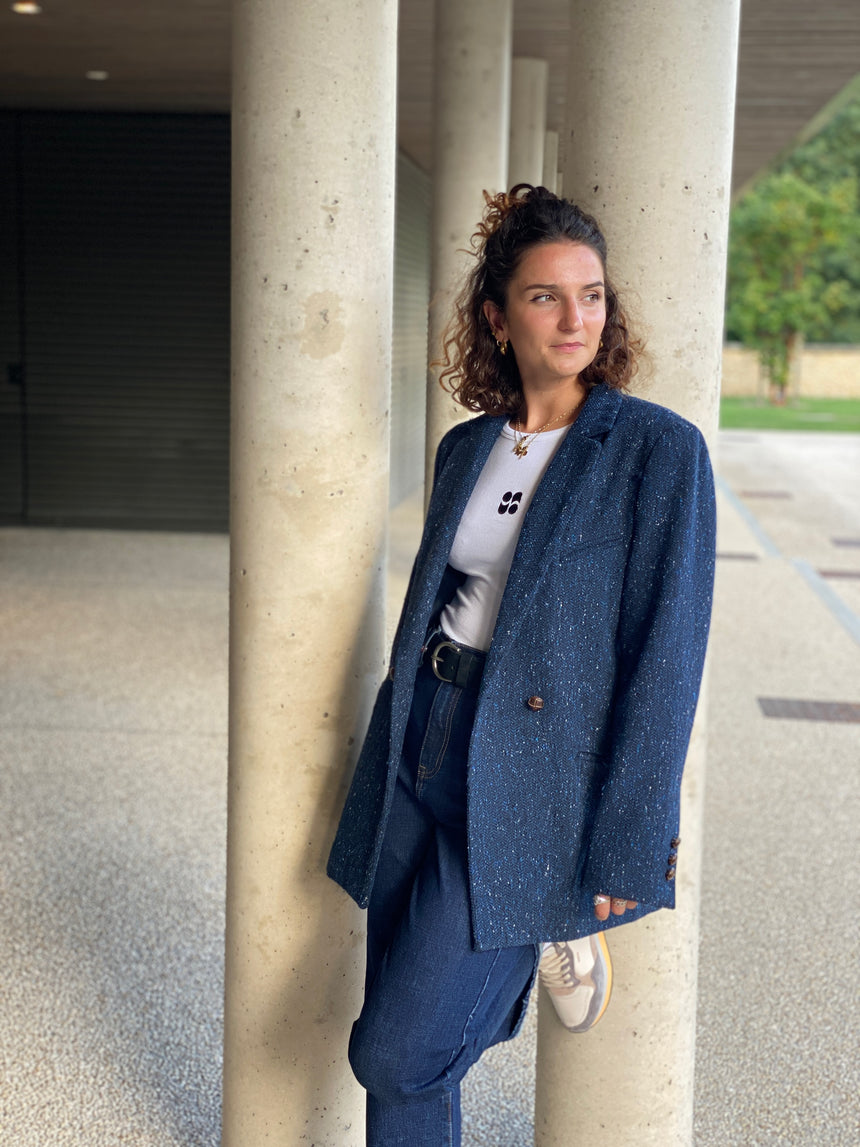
column 478, row 376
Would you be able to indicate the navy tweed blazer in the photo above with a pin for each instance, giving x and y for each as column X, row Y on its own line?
column 604, row 617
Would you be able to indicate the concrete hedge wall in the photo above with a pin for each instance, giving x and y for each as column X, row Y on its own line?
column 825, row 372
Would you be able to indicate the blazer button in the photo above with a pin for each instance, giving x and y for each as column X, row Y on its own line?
column 535, row 704
column 673, row 856
column 670, row 872
column 675, row 841
column 391, row 673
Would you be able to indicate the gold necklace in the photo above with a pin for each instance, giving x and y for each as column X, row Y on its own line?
column 522, row 441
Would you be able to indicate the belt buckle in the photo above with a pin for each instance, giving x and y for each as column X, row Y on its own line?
column 434, row 660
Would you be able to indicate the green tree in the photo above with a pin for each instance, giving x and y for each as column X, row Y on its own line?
column 829, row 158
column 782, row 234
column 794, row 250
column 833, row 154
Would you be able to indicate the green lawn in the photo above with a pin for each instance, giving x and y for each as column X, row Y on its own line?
column 798, row 414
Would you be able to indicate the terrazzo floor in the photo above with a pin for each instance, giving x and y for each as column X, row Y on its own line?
column 112, row 789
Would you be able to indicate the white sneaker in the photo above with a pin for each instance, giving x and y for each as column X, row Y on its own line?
column 578, row 976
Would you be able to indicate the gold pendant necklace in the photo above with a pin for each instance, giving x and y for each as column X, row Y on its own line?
column 523, row 441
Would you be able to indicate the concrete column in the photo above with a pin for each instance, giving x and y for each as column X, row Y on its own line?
column 653, row 164
column 470, row 155
column 528, row 120
column 550, row 160
column 313, row 226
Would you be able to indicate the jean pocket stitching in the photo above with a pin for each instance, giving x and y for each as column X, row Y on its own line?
column 428, row 774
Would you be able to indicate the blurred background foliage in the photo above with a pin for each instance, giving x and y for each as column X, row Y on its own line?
column 794, row 250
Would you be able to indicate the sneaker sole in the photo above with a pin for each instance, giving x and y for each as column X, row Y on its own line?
column 607, row 964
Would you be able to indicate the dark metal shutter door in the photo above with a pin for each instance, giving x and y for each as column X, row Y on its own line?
column 11, row 379
column 126, row 219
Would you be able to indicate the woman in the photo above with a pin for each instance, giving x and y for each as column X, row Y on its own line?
column 519, row 782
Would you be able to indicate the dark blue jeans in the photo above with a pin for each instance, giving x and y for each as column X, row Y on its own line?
column 432, row 1004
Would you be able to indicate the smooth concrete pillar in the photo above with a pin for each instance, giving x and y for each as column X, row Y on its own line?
column 528, row 120
column 550, row 160
column 313, row 227
column 470, row 155
column 653, row 164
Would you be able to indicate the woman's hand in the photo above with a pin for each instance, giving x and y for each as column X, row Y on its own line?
column 603, row 904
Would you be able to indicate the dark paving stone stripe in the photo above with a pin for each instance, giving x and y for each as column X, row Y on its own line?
column 798, row 710
column 739, row 557
column 845, row 541
column 766, row 494
column 840, row 573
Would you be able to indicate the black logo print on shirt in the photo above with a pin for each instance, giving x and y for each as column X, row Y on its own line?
column 510, row 503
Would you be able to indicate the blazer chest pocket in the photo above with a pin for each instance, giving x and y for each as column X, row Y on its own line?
column 587, row 547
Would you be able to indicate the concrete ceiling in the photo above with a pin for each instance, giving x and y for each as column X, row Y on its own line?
column 173, row 55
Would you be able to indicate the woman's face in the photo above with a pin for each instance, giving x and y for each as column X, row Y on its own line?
column 554, row 313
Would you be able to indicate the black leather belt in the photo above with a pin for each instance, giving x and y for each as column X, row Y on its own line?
column 454, row 664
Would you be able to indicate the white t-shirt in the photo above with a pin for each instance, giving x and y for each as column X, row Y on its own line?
column 486, row 538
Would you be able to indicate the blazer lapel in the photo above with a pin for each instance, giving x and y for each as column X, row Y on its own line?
column 453, row 489
column 556, row 499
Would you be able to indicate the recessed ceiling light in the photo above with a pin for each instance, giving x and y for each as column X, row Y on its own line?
column 96, row 74
column 27, row 8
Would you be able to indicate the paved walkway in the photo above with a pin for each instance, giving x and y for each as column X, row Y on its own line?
column 113, row 754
